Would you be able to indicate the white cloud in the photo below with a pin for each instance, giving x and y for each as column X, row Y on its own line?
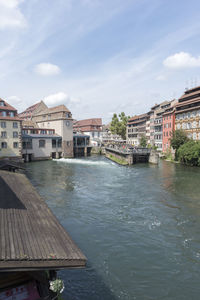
column 181, row 60
column 47, row 69
column 10, row 14
column 56, row 99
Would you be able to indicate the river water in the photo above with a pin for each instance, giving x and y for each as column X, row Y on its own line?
column 138, row 226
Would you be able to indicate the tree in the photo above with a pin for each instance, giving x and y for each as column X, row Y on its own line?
column 189, row 153
column 179, row 137
column 118, row 124
column 143, row 141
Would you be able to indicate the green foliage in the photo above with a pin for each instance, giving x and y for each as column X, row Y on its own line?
column 189, row 153
column 118, row 124
column 178, row 138
column 118, row 160
column 143, row 141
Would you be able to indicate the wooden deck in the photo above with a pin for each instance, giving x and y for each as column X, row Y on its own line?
column 31, row 238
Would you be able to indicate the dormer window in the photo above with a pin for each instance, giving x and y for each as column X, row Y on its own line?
column 1, row 103
column 11, row 114
column 3, row 113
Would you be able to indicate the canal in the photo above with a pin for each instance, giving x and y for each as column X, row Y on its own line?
column 139, row 226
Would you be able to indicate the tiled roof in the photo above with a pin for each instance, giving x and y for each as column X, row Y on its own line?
column 55, row 109
column 89, row 122
column 29, row 123
column 138, row 117
column 87, row 128
column 7, row 106
column 30, row 109
column 10, row 118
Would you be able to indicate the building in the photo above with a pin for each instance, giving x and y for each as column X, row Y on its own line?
column 58, row 118
column 40, row 144
column 82, row 145
column 108, row 136
column 187, row 114
column 168, row 125
column 156, row 124
column 10, row 136
column 91, row 127
column 136, row 128
column 34, row 109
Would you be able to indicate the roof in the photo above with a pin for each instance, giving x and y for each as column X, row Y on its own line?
column 191, row 101
column 7, row 106
column 79, row 135
column 138, row 117
column 10, row 118
column 31, row 237
column 55, row 109
column 39, row 136
column 29, row 123
column 88, row 122
column 31, row 108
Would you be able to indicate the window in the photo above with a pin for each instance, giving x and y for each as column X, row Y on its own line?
column 11, row 114
column 60, row 143
column 44, row 117
column 4, row 134
column 3, row 145
column 194, row 135
column 3, row 124
column 24, row 131
column 67, row 123
column 178, row 126
column 41, row 143
column 15, row 125
column 1, row 103
column 15, row 134
column 53, row 143
column 15, row 145
column 3, row 113
column 27, row 145
column 194, row 124
column 49, row 117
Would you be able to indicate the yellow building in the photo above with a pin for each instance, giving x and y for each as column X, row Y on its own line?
column 10, row 132
column 188, row 113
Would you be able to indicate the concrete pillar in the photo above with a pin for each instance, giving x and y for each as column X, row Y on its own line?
column 85, row 151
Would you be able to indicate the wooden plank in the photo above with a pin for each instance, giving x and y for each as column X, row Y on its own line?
column 30, row 235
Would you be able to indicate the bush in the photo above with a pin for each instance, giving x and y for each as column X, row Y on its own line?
column 189, row 153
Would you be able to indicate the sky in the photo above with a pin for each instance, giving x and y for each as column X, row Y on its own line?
column 98, row 57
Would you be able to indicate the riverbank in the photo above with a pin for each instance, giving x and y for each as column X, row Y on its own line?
column 119, row 161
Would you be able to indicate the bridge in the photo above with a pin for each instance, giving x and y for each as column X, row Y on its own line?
column 132, row 155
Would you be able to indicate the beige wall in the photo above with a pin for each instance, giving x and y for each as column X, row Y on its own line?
column 43, row 152
column 10, row 151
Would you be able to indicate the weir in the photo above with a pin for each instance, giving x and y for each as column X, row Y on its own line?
column 132, row 155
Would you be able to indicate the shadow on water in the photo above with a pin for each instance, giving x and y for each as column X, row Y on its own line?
column 85, row 284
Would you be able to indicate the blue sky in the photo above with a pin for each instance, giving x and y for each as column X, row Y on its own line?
column 98, row 56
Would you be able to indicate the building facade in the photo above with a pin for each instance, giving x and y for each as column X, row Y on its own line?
column 187, row 114
column 136, row 128
column 91, row 127
column 57, row 118
column 10, row 137
column 168, row 125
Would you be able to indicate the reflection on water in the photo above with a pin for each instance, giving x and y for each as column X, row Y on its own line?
column 138, row 226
